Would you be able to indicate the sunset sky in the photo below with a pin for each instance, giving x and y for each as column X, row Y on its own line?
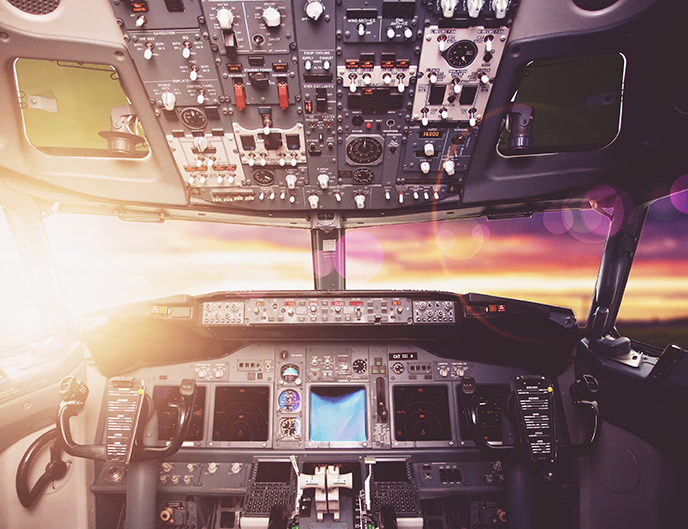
column 551, row 258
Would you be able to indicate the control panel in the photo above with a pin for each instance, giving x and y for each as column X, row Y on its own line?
column 329, row 310
column 319, row 106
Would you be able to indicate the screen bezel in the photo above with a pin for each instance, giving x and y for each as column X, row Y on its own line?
column 338, row 444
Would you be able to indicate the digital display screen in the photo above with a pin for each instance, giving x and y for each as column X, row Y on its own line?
column 273, row 472
column 421, row 413
column 390, row 471
column 167, row 417
column 430, row 134
column 241, row 413
column 491, row 402
column 338, row 414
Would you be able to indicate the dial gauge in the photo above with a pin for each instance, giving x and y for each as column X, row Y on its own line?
column 461, row 54
column 359, row 366
column 364, row 176
column 289, row 372
column 364, row 150
column 290, row 427
column 193, row 118
column 263, row 177
column 289, row 400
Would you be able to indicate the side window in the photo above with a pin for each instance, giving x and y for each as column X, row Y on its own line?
column 20, row 320
column 655, row 305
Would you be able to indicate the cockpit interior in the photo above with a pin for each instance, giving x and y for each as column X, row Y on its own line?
column 343, row 405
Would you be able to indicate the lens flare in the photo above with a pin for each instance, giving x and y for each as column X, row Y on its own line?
column 558, row 222
column 679, row 194
column 461, row 239
column 364, row 256
column 324, row 264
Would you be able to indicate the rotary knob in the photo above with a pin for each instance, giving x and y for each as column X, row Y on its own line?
column 225, row 18
column 314, row 10
column 272, row 17
column 291, row 181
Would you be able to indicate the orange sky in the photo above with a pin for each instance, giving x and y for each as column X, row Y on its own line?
column 106, row 262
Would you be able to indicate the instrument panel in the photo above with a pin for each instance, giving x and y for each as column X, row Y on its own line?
column 318, row 105
column 302, row 395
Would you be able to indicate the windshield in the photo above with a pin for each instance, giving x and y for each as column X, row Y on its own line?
column 106, row 262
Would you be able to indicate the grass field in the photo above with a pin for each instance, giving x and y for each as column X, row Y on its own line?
column 657, row 333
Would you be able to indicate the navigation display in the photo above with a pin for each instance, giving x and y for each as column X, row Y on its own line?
column 421, row 413
column 241, row 413
column 338, row 414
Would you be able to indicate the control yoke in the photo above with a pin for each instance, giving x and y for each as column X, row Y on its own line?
column 532, row 405
column 125, row 403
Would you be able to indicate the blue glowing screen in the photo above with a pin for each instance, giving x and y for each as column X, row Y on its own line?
column 338, row 414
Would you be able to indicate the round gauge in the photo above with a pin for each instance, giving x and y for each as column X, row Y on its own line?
column 289, row 372
column 364, row 176
column 193, row 118
column 289, row 400
column 359, row 366
column 364, row 150
column 263, row 177
column 290, row 427
column 461, row 54
column 398, row 368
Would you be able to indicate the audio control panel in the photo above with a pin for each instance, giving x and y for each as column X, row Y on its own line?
column 318, row 105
